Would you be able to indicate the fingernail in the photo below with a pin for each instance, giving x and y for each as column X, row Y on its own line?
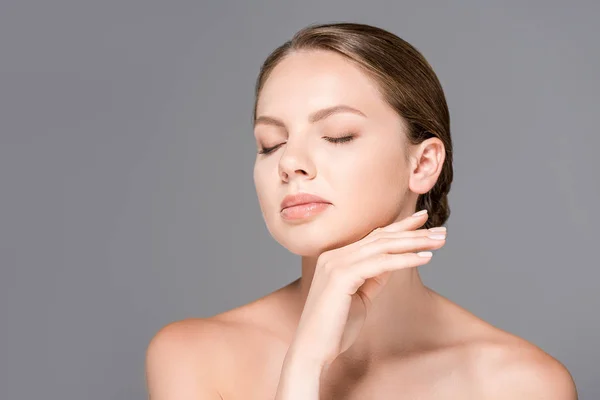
column 437, row 237
column 438, row 229
column 422, row 212
column 425, row 254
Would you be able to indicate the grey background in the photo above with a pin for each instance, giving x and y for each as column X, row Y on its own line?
column 126, row 192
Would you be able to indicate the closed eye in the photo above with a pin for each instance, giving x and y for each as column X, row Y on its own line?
column 337, row 140
column 342, row 139
column 267, row 150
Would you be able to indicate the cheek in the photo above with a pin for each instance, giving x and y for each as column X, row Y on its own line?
column 266, row 180
column 375, row 173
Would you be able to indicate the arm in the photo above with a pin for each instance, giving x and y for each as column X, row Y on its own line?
column 179, row 363
column 300, row 377
column 345, row 283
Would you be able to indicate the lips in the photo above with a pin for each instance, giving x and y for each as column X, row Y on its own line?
column 301, row 198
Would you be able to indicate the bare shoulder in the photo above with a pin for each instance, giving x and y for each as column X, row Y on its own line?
column 497, row 364
column 197, row 357
column 184, row 358
column 509, row 367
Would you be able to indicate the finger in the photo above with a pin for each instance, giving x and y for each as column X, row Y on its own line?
column 393, row 245
column 409, row 223
column 369, row 290
column 358, row 273
column 439, row 230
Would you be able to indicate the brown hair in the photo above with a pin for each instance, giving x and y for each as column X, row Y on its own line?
column 406, row 81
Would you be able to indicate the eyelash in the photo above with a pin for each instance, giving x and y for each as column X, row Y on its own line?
column 338, row 140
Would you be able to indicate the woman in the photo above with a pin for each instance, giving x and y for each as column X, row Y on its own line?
column 353, row 136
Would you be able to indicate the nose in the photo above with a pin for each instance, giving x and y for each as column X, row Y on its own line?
column 295, row 162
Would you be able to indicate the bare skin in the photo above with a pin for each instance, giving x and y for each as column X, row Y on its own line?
column 238, row 354
column 414, row 343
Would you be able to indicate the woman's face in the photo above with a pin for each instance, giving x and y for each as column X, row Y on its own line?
column 365, row 179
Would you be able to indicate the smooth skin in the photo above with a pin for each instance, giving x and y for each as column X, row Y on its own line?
column 359, row 323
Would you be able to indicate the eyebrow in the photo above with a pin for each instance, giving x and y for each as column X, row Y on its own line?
column 314, row 117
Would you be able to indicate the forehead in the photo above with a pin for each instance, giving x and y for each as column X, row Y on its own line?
column 305, row 81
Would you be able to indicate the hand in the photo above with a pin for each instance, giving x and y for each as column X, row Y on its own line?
column 349, row 278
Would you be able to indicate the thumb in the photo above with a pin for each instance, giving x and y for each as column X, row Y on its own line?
column 373, row 286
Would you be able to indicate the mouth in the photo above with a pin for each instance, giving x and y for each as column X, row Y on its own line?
column 302, row 211
column 292, row 200
column 302, row 205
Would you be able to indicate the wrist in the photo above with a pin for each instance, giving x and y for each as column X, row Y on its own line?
column 300, row 378
column 299, row 358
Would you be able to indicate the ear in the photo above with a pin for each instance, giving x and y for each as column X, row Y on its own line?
column 425, row 164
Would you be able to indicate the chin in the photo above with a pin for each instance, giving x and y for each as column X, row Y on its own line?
column 312, row 238
column 306, row 247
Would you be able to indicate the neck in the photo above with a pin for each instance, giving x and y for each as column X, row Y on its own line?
column 399, row 320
